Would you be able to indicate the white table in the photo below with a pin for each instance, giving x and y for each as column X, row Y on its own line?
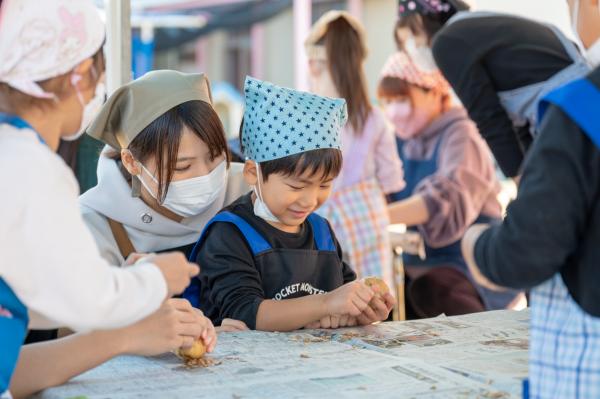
column 474, row 356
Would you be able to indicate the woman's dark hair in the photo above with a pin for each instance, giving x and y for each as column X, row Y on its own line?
column 345, row 56
column 429, row 24
column 392, row 87
column 325, row 161
column 161, row 138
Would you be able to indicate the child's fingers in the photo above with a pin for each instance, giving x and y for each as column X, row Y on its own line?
column 335, row 321
column 370, row 314
column 211, row 338
column 363, row 320
column 182, row 304
column 380, row 308
column 235, row 325
column 390, row 301
column 360, row 303
column 325, row 322
column 364, row 292
column 186, row 341
column 354, row 309
column 343, row 320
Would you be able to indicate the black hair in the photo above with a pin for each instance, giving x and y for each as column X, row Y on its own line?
column 429, row 24
column 325, row 161
column 161, row 139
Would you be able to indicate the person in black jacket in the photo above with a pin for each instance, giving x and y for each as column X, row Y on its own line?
column 498, row 65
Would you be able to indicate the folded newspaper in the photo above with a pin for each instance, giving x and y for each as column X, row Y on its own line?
column 481, row 355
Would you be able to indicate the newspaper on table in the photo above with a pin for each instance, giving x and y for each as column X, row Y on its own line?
column 475, row 356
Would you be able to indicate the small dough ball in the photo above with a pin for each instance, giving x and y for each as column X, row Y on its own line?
column 196, row 351
column 379, row 283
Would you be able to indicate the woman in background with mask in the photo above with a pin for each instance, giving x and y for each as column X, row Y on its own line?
column 357, row 208
column 51, row 274
column 166, row 170
column 450, row 184
column 548, row 242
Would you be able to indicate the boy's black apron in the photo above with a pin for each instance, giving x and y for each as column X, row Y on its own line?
column 285, row 273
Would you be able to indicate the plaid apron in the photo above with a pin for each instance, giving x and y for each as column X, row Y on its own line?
column 358, row 215
column 564, row 359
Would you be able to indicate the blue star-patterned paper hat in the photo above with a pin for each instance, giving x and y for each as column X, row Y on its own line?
column 279, row 122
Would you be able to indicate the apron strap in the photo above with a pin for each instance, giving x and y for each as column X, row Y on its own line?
column 322, row 233
column 579, row 100
column 123, row 242
column 256, row 242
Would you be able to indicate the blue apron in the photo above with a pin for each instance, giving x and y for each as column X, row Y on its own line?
column 279, row 267
column 579, row 100
column 13, row 313
column 416, row 171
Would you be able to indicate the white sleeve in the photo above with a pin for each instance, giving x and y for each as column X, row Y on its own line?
column 54, row 267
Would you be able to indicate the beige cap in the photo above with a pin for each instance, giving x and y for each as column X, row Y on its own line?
column 320, row 27
column 135, row 105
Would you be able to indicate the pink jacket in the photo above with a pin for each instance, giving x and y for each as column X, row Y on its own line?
column 371, row 155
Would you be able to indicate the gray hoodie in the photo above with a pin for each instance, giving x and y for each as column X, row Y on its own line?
column 112, row 198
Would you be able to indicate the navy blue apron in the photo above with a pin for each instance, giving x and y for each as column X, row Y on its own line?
column 279, row 268
column 13, row 313
column 416, row 171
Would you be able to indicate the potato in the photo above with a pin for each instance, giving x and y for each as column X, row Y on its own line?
column 196, row 351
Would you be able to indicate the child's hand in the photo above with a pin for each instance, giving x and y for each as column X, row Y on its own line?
column 231, row 325
column 378, row 310
column 349, row 299
column 175, row 324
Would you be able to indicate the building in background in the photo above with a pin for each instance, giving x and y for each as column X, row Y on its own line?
column 229, row 39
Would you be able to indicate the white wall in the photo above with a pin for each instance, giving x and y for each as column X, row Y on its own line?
column 553, row 11
column 279, row 49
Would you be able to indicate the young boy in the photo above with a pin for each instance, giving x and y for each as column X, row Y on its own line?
column 267, row 259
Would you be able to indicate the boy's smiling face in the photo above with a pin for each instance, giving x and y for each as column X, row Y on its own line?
column 291, row 198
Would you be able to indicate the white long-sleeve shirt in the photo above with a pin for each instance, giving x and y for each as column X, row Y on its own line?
column 47, row 255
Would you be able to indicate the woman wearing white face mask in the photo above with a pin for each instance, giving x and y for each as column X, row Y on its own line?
column 166, row 169
column 165, row 172
column 548, row 242
column 450, row 184
column 50, row 65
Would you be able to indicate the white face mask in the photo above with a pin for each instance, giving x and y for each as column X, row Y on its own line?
column 193, row 196
column 90, row 110
column 260, row 207
column 593, row 53
column 420, row 55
